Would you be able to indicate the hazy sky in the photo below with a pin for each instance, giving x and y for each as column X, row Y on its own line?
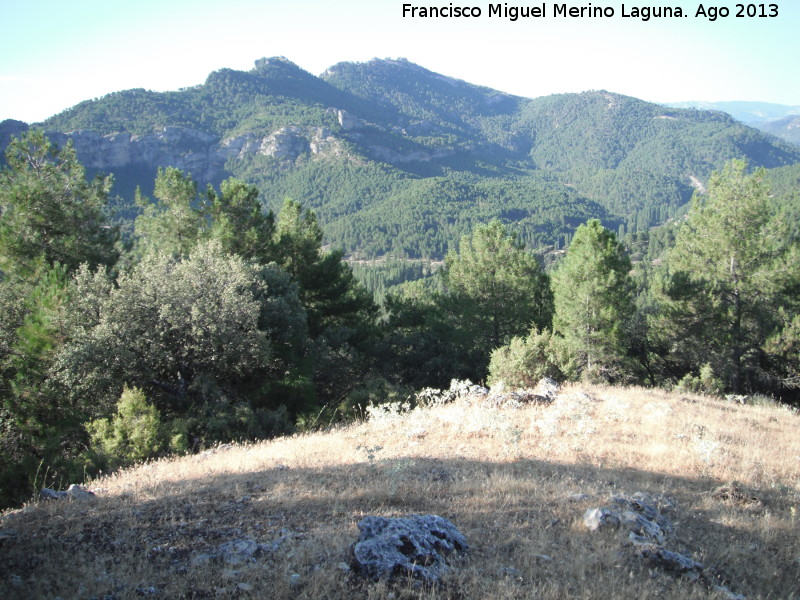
column 55, row 53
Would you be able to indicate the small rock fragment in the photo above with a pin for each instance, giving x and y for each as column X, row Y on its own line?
column 597, row 518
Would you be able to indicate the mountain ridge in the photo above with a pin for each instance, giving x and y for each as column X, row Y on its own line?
column 413, row 157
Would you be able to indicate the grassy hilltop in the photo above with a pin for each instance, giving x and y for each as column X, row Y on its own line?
column 515, row 481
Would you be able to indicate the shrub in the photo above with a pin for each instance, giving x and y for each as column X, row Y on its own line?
column 132, row 434
column 524, row 361
column 241, row 422
column 704, row 383
column 374, row 391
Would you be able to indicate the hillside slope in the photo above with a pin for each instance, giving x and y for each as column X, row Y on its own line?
column 279, row 518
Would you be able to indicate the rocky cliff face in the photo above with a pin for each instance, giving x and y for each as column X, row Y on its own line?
column 201, row 154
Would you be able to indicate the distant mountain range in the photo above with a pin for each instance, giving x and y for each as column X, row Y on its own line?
column 396, row 159
column 778, row 119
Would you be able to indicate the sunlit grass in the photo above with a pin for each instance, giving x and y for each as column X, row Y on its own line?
column 515, row 481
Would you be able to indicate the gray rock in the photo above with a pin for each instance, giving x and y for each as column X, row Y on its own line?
column 458, row 389
column 239, row 551
column 660, row 557
column 600, row 518
column 647, row 528
column 78, row 492
column 417, row 545
column 546, row 389
column 48, row 494
column 642, row 526
column 74, row 492
column 545, row 392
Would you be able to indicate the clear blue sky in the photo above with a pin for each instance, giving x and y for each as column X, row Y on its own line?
column 53, row 54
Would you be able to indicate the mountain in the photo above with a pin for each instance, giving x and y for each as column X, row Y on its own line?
column 780, row 120
column 399, row 160
column 746, row 112
column 787, row 128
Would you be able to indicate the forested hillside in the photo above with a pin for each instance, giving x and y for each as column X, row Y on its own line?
column 398, row 160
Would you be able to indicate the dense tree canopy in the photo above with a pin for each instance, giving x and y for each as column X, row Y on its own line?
column 220, row 321
column 184, row 330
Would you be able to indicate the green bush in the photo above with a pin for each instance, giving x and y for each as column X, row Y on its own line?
column 704, row 383
column 374, row 391
column 240, row 422
column 132, row 434
column 524, row 361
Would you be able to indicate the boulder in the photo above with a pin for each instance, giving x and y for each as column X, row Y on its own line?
column 417, row 545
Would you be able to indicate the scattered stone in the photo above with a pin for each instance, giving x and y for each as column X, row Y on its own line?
column 672, row 562
column 647, row 530
column 738, row 399
column 74, row 492
column 545, row 392
column 542, row 557
column 546, row 389
column 244, row 587
column 295, row 580
column 48, row 494
column 459, row 389
column 578, row 497
column 415, row 545
column 237, row 552
column 343, row 567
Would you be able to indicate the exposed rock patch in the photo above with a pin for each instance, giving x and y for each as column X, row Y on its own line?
column 647, row 529
column 417, row 545
column 74, row 492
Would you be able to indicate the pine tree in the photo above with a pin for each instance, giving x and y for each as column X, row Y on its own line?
column 239, row 222
column 593, row 300
column 49, row 212
column 733, row 254
column 176, row 220
column 498, row 288
column 328, row 290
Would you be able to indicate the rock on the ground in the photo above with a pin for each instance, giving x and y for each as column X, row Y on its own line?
column 417, row 545
column 600, row 518
column 74, row 492
column 647, row 530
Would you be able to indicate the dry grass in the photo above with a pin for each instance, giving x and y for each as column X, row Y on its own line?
column 514, row 481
